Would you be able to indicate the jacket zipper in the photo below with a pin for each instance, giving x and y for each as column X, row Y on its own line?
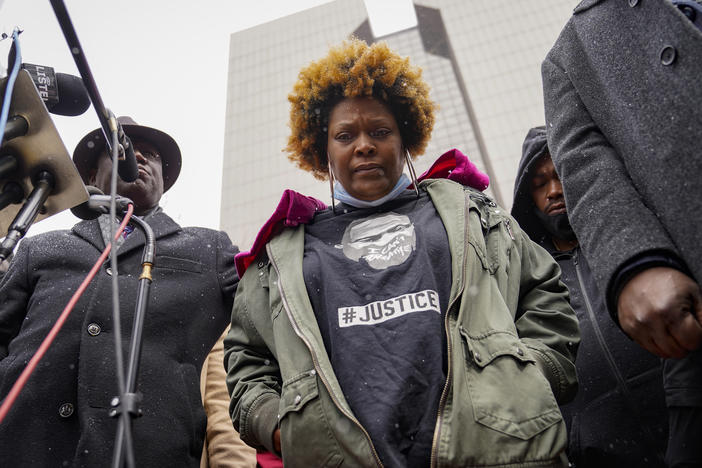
column 597, row 330
column 509, row 228
column 447, row 385
column 317, row 367
column 608, row 354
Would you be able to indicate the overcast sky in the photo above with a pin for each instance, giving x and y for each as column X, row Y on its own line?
column 163, row 62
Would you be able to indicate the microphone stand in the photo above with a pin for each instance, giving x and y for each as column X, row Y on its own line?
column 120, row 147
column 74, row 46
column 106, row 122
column 130, row 399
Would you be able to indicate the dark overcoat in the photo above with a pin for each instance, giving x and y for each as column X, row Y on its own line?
column 624, row 121
column 61, row 417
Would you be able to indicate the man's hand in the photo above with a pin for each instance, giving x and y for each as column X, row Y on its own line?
column 661, row 309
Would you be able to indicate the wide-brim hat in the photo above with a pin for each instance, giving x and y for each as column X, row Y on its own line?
column 86, row 154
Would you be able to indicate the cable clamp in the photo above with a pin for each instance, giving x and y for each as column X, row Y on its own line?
column 130, row 403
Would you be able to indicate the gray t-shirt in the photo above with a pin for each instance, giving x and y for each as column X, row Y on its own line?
column 379, row 281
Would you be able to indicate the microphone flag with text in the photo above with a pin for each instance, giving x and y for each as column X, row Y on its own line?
column 63, row 94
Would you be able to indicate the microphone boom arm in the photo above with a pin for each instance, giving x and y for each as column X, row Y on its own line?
column 128, row 171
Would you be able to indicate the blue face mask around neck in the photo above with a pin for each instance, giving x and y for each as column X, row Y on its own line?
column 343, row 196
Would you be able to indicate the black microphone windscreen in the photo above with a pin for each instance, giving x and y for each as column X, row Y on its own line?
column 127, row 168
column 62, row 94
column 84, row 211
column 73, row 97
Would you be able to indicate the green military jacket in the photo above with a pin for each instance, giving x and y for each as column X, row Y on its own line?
column 511, row 337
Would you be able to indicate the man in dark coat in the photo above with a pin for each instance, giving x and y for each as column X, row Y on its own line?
column 618, row 418
column 61, row 416
column 624, row 120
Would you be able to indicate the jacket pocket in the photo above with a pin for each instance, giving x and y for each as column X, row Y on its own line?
column 297, row 392
column 305, row 435
column 179, row 264
column 508, row 392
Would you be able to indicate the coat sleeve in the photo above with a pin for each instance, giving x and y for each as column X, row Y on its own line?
column 611, row 221
column 223, row 446
column 253, row 375
column 545, row 321
column 15, row 291
column 226, row 269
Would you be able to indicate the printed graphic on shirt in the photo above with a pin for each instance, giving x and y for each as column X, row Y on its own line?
column 382, row 240
column 382, row 311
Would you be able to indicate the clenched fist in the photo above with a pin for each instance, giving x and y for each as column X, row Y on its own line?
column 661, row 309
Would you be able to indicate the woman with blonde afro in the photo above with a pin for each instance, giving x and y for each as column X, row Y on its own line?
column 411, row 323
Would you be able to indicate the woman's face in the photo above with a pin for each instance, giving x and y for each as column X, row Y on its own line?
column 364, row 147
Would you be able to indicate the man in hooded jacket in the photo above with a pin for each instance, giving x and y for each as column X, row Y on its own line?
column 618, row 417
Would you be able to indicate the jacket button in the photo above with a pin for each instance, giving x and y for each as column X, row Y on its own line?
column 298, row 399
column 477, row 356
column 94, row 329
column 260, row 264
column 688, row 11
column 108, row 270
column 520, row 351
column 66, row 410
column 668, row 55
column 633, row 3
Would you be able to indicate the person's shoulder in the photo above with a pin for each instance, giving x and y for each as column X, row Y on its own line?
column 585, row 5
column 205, row 233
column 207, row 237
column 48, row 244
column 48, row 237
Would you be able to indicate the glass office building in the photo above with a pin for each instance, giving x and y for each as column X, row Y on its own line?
column 481, row 59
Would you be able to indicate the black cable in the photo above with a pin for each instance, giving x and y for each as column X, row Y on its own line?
column 130, row 400
column 116, row 315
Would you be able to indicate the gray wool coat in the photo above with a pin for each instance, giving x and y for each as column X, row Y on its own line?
column 61, row 417
column 623, row 105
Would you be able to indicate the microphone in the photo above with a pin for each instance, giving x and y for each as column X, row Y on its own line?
column 62, row 94
column 98, row 204
column 127, row 167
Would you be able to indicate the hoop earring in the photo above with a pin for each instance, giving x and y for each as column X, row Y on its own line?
column 413, row 174
column 331, row 184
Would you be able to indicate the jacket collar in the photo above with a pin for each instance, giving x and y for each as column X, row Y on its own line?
column 161, row 223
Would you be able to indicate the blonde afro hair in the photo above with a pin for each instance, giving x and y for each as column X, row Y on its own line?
column 354, row 69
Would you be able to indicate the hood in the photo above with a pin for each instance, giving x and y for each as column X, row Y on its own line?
column 523, row 207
